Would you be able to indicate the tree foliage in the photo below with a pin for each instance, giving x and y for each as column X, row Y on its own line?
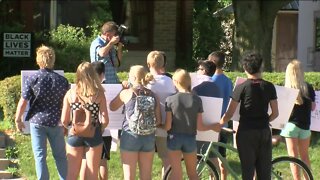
column 207, row 31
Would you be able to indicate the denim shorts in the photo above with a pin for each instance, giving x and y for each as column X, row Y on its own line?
column 137, row 143
column 185, row 143
column 76, row 141
column 293, row 131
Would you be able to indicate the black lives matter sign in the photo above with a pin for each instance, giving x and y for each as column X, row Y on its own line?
column 17, row 45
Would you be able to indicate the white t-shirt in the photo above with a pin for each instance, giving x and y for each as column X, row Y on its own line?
column 163, row 87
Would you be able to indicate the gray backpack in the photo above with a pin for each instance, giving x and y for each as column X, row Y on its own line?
column 143, row 119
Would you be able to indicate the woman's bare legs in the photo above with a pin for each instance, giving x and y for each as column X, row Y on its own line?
column 93, row 157
column 175, row 161
column 190, row 160
column 74, row 156
column 145, row 165
column 129, row 164
column 103, row 170
column 304, row 151
column 82, row 175
column 293, row 150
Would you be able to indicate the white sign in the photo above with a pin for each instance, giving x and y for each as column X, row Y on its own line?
column 211, row 114
column 286, row 99
column 24, row 75
column 16, row 44
column 197, row 79
column 315, row 115
column 115, row 117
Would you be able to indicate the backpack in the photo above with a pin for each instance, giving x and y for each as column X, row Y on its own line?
column 83, row 125
column 143, row 119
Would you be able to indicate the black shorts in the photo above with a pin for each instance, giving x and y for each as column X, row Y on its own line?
column 106, row 147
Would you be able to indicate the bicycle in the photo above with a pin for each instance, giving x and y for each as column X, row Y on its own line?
column 280, row 165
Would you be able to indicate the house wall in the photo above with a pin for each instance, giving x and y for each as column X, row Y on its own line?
column 285, row 39
column 306, row 35
column 172, row 28
column 164, row 36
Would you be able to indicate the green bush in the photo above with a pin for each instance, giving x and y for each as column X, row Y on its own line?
column 11, row 87
column 71, row 46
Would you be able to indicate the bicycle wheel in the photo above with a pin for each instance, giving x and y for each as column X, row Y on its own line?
column 281, row 168
column 207, row 170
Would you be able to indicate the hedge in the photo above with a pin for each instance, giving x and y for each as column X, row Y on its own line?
column 10, row 87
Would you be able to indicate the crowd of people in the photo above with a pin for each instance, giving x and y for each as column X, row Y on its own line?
column 162, row 114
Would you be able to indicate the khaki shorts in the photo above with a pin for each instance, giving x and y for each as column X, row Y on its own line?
column 161, row 144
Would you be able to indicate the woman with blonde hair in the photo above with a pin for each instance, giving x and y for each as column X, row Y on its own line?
column 183, row 119
column 297, row 130
column 89, row 94
column 142, row 115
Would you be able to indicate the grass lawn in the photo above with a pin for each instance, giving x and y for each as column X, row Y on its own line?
column 27, row 168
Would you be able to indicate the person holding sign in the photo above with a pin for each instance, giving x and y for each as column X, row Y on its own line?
column 254, row 135
column 209, row 89
column 225, row 86
column 142, row 116
column 163, row 87
column 183, row 119
column 45, row 91
column 297, row 130
column 87, row 94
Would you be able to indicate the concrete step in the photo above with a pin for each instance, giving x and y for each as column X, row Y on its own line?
column 2, row 153
column 4, row 163
column 5, row 175
column 2, row 140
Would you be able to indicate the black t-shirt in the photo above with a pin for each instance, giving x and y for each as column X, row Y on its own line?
column 207, row 88
column 254, row 96
column 301, row 114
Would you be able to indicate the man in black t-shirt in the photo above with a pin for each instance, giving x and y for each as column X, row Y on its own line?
column 254, row 134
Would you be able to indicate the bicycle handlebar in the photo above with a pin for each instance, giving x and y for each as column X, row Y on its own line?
column 228, row 130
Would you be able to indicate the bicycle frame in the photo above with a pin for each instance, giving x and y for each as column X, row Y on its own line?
column 224, row 161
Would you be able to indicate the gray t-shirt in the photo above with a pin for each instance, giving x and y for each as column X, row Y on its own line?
column 185, row 108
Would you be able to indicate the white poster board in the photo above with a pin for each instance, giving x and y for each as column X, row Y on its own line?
column 211, row 114
column 315, row 115
column 24, row 75
column 197, row 79
column 286, row 99
column 115, row 117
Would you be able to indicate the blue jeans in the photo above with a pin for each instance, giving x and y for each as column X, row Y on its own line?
column 39, row 136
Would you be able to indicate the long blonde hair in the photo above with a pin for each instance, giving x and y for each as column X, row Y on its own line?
column 295, row 79
column 87, row 80
column 182, row 77
column 140, row 74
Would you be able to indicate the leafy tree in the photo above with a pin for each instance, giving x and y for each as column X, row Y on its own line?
column 254, row 21
column 207, row 31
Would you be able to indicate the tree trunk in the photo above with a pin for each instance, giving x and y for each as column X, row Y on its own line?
column 254, row 21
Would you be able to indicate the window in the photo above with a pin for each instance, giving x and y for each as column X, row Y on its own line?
column 317, row 35
column 139, row 20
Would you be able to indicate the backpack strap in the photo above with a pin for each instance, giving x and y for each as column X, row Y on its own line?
column 96, row 96
column 81, row 100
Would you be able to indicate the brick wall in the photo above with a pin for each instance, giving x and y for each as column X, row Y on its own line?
column 165, row 23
